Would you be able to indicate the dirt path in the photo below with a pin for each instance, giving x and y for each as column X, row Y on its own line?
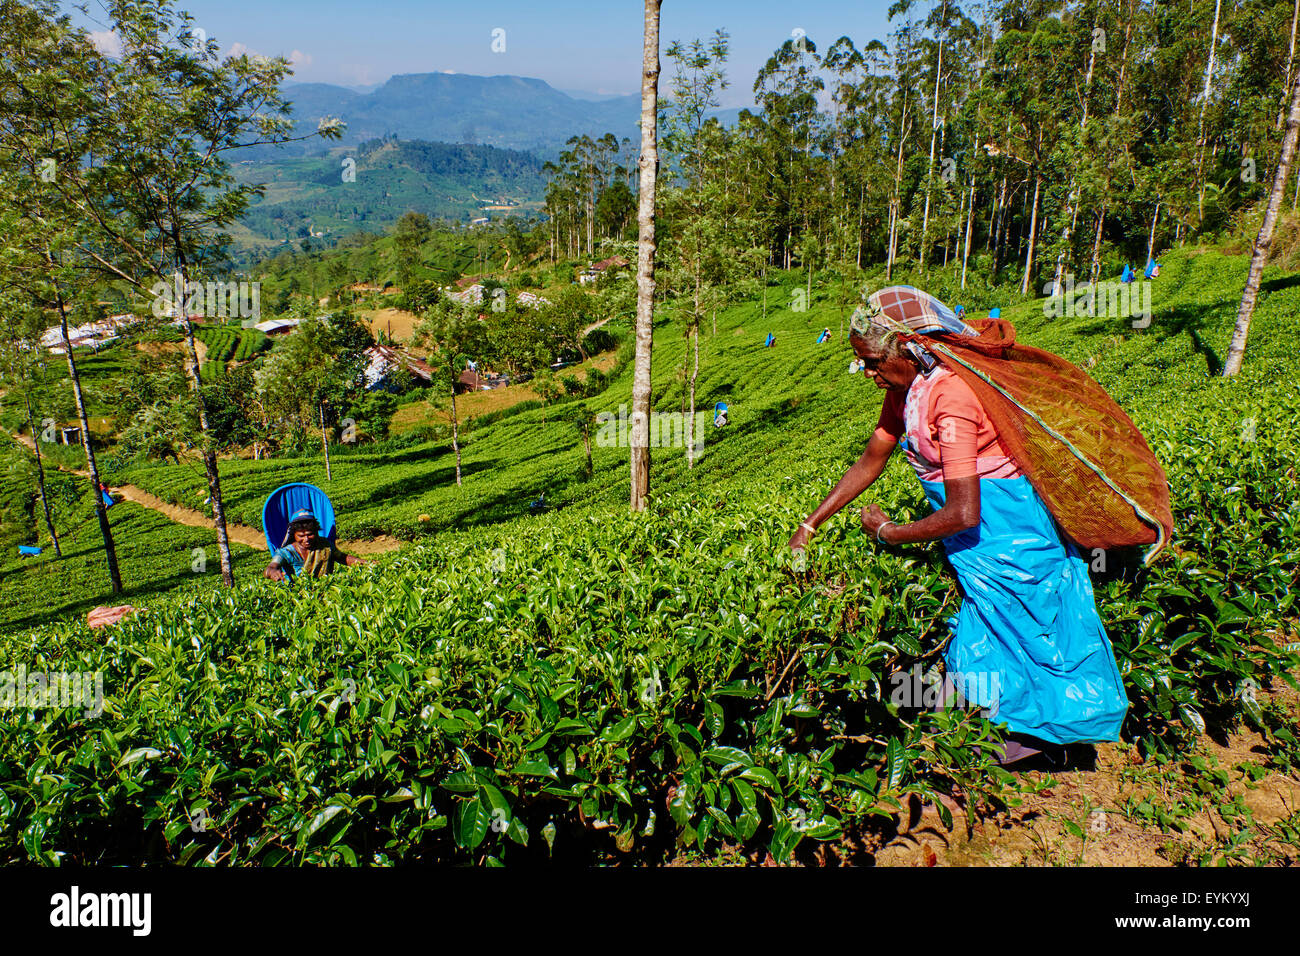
column 595, row 325
column 1222, row 801
column 188, row 516
column 243, row 534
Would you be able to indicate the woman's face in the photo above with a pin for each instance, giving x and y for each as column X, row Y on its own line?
column 303, row 537
column 893, row 373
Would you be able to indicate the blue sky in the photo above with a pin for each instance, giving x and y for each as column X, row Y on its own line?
column 571, row 45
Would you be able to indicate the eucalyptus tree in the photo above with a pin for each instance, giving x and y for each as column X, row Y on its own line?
column 159, row 192
column 694, row 141
column 858, row 143
column 787, row 87
column 21, row 370
column 1263, row 241
column 51, row 80
column 453, row 336
column 639, row 458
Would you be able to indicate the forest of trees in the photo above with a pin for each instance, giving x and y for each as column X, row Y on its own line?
column 1023, row 139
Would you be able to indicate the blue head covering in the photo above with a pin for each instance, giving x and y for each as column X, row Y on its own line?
column 301, row 515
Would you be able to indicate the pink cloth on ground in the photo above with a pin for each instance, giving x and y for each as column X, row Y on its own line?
column 107, row 616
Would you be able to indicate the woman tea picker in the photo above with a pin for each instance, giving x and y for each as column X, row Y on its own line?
column 1025, row 461
column 305, row 552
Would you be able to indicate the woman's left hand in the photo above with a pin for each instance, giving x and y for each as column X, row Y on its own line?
column 872, row 519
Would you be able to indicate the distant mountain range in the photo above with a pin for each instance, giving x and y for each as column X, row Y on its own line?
column 512, row 112
column 451, row 145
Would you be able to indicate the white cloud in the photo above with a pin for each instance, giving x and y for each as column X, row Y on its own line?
column 106, row 42
column 238, row 49
column 300, row 59
column 357, row 74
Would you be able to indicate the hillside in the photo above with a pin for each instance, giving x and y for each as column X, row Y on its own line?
column 440, row 180
column 789, row 405
column 589, row 685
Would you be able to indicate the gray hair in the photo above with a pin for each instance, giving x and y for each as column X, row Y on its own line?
column 876, row 339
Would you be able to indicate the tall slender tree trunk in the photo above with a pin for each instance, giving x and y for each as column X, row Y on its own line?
column 40, row 476
column 1033, row 235
column 209, row 453
column 1200, row 135
column 690, row 415
column 896, row 201
column 893, row 226
column 1290, row 61
column 591, row 212
column 934, row 130
column 455, row 429
column 1237, row 351
column 101, row 512
column 1096, row 245
column 645, row 272
column 970, row 220
column 1151, row 239
column 999, row 240
column 325, row 443
column 1064, row 257
column 1012, row 244
column 1095, row 270
column 862, row 192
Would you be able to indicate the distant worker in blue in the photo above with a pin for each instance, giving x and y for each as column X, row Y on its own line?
column 305, row 552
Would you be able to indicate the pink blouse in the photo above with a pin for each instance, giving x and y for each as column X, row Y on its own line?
column 944, row 430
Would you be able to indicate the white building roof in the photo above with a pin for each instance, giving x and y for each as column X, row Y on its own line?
column 276, row 325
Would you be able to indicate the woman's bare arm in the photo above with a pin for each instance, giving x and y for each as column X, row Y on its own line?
column 860, row 476
column 960, row 512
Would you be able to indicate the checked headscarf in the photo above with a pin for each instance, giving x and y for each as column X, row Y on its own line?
column 904, row 308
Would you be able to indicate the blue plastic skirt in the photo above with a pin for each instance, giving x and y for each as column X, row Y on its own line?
column 1028, row 644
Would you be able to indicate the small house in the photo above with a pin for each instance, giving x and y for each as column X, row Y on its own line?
column 598, row 269
column 532, row 300
column 277, row 326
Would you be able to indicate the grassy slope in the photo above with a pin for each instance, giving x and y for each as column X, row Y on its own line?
column 155, row 556
column 790, row 405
